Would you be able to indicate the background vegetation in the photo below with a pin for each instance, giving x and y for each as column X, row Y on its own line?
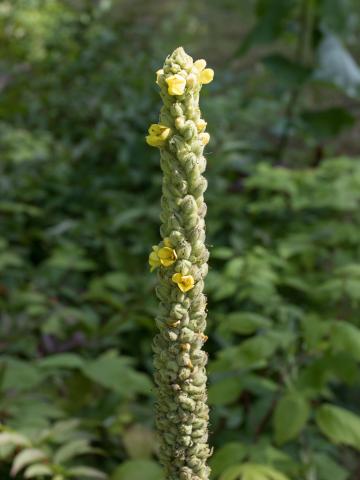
column 79, row 212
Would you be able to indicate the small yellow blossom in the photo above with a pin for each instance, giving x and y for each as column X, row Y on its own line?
column 204, row 138
column 201, row 125
column 167, row 256
column 154, row 260
column 184, row 282
column 157, row 135
column 159, row 73
column 176, row 84
column 207, row 75
column 200, row 65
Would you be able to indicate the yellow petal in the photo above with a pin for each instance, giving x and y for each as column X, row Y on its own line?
column 176, row 277
column 200, row 65
column 201, row 125
column 154, row 261
column 157, row 135
column 207, row 75
column 176, row 84
column 154, row 141
column 167, row 256
column 184, row 282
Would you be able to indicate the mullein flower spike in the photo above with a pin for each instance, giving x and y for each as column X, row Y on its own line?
column 181, row 259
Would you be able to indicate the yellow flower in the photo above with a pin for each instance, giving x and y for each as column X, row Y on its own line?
column 158, row 75
column 207, row 75
column 154, row 260
column 184, row 282
column 204, row 138
column 158, row 135
column 200, row 65
column 176, row 84
column 167, row 256
column 201, row 125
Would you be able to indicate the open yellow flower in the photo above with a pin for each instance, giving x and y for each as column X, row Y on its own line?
column 167, row 256
column 206, row 76
column 184, row 282
column 176, row 84
column 157, row 135
column 200, row 64
column 154, row 260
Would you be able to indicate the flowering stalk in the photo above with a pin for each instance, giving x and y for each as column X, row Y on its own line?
column 181, row 258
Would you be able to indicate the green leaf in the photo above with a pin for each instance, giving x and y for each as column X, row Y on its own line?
column 38, row 470
column 25, row 457
column 345, row 337
column 138, row 470
column 252, row 471
column 87, row 472
column 243, row 323
column 290, row 416
column 286, row 71
column 226, row 456
column 328, row 122
column 61, row 360
column 270, row 24
column 114, row 372
column 76, row 447
column 339, row 425
column 225, row 391
column 327, row 468
column 20, row 375
column 14, row 438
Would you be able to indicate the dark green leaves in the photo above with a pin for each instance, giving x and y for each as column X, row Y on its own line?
column 290, row 416
column 287, row 71
column 339, row 425
column 327, row 123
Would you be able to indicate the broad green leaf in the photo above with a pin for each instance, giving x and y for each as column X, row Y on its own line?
column 326, row 468
column 26, row 457
column 287, row 71
column 138, row 470
column 290, row 416
column 61, row 360
column 252, row 471
column 225, row 391
column 14, row 438
column 224, row 457
column 20, row 375
column 243, row 323
column 339, row 425
column 87, row 473
column 345, row 337
column 76, row 447
column 270, row 24
column 114, row 372
column 38, row 470
column 328, row 122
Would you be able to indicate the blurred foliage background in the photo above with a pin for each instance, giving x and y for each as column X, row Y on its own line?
column 79, row 212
